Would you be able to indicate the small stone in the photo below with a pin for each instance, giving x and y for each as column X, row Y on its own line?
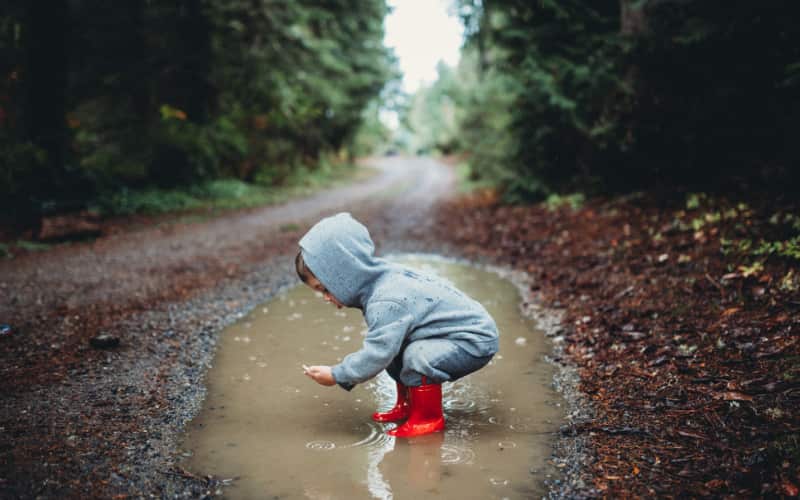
column 5, row 330
column 104, row 341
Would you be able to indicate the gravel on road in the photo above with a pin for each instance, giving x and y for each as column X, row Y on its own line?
column 103, row 418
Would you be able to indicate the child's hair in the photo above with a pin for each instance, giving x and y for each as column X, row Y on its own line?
column 302, row 271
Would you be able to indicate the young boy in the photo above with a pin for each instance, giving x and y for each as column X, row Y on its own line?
column 422, row 330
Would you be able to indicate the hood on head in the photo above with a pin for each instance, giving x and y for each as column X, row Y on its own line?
column 340, row 253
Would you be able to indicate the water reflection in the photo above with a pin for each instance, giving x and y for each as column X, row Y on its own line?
column 296, row 439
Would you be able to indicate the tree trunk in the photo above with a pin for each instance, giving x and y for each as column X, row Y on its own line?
column 632, row 18
column 47, row 82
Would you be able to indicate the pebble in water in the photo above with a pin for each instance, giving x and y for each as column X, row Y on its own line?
column 5, row 330
column 520, row 341
column 104, row 341
column 496, row 481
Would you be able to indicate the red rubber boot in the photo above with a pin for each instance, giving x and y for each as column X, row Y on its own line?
column 399, row 411
column 426, row 411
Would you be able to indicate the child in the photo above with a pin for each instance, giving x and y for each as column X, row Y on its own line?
column 422, row 330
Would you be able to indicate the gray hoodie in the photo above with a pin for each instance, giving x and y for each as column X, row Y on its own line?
column 399, row 305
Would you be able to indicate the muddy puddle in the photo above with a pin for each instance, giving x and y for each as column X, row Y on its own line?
column 284, row 436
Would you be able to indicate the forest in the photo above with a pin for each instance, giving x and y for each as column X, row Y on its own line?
column 100, row 101
column 620, row 95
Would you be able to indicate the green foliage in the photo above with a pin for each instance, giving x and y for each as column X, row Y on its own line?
column 149, row 201
column 621, row 94
column 789, row 248
column 221, row 194
column 573, row 201
column 373, row 135
column 694, row 200
column 171, row 94
column 467, row 183
column 194, row 152
column 432, row 114
column 32, row 246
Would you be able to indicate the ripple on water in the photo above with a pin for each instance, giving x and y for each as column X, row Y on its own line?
column 466, row 397
column 320, row 445
column 459, row 404
column 375, row 437
column 457, row 454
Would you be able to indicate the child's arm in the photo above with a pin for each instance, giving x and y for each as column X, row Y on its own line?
column 389, row 322
column 321, row 374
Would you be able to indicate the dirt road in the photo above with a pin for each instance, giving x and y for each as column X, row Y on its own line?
column 78, row 421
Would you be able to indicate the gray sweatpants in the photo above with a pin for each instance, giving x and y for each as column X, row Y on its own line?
column 440, row 360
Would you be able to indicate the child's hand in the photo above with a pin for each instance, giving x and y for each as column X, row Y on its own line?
column 321, row 374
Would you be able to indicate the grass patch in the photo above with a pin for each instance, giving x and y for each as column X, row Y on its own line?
column 466, row 182
column 5, row 251
column 33, row 246
column 556, row 201
column 226, row 194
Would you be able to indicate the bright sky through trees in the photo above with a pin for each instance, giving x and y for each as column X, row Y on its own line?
column 422, row 33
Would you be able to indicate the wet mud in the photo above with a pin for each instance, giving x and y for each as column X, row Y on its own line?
column 281, row 435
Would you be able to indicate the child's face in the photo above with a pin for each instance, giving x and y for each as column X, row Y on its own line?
column 316, row 285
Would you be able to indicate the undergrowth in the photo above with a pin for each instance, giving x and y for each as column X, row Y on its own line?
column 220, row 194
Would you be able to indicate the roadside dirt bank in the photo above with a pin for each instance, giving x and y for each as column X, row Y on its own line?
column 689, row 357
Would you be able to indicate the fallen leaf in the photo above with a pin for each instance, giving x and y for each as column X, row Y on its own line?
column 729, row 311
column 789, row 489
column 733, row 396
column 691, row 435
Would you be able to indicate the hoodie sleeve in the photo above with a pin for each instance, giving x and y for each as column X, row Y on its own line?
column 388, row 323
